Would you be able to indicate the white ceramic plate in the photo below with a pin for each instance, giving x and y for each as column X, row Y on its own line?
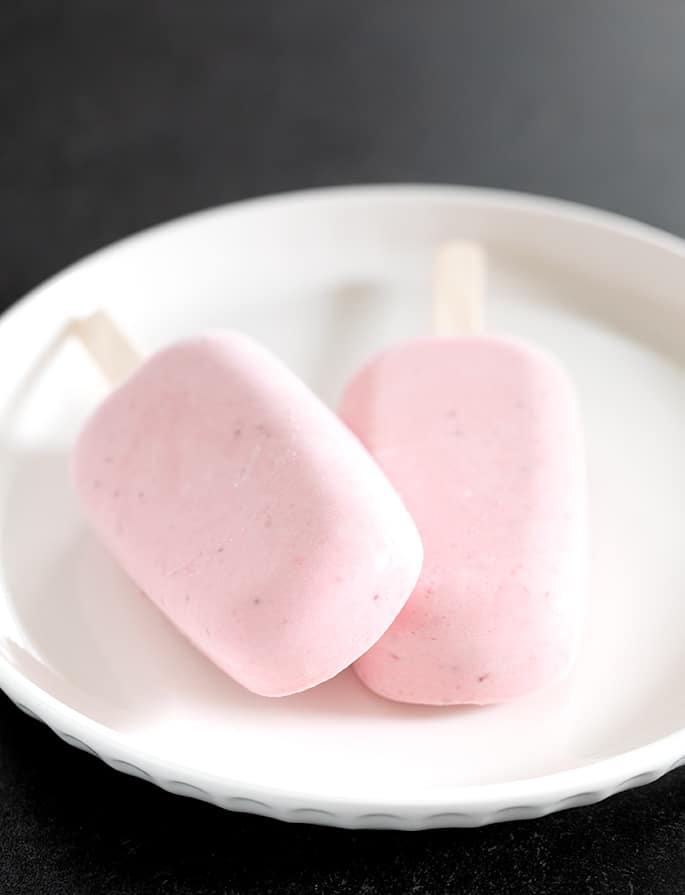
column 325, row 279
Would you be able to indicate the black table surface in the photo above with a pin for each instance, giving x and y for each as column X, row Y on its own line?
column 117, row 115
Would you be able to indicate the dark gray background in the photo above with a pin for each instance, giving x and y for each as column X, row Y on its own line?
column 117, row 115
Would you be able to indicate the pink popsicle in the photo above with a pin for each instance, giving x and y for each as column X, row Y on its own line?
column 482, row 439
column 247, row 513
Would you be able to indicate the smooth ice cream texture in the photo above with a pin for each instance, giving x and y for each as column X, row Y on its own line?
column 247, row 512
column 482, row 439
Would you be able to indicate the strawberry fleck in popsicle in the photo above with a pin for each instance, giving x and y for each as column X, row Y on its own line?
column 247, row 512
column 482, row 439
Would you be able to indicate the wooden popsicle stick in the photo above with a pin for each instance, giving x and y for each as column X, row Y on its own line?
column 459, row 288
column 108, row 345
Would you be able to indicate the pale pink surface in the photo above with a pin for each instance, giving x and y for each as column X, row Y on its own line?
column 247, row 512
column 482, row 439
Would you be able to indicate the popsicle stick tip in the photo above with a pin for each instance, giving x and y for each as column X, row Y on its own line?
column 111, row 349
column 459, row 287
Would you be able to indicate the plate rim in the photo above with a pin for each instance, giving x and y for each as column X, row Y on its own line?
column 457, row 805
